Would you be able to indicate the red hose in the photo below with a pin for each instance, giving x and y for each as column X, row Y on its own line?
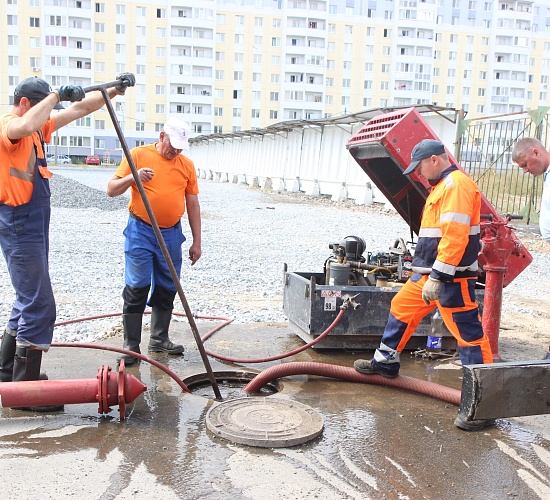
column 345, row 373
column 278, row 356
column 125, row 351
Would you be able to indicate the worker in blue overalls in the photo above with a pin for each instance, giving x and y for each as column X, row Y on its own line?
column 25, row 216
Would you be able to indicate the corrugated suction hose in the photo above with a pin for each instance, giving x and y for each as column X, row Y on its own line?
column 431, row 389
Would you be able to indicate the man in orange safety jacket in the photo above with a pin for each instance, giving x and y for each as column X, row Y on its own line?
column 445, row 269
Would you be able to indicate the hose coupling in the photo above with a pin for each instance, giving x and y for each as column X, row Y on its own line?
column 348, row 301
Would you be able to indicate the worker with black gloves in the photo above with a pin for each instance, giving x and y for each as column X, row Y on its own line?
column 25, row 216
column 445, row 269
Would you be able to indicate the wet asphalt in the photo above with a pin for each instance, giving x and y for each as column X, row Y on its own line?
column 377, row 442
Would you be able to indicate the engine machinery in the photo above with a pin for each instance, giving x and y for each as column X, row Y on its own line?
column 348, row 266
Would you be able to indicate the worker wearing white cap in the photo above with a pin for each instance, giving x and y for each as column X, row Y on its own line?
column 170, row 182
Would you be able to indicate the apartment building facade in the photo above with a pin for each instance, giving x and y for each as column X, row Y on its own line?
column 230, row 65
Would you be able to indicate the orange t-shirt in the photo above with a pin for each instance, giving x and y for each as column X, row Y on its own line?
column 173, row 179
column 16, row 189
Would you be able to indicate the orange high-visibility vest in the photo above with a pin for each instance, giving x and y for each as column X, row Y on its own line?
column 448, row 240
column 18, row 162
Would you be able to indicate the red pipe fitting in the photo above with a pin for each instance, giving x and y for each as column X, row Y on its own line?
column 107, row 389
column 497, row 245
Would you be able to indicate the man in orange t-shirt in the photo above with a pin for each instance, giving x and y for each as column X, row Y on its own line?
column 25, row 216
column 170, row 182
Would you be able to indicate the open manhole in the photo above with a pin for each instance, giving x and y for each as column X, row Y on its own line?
column 230, row 383
column 264, row 422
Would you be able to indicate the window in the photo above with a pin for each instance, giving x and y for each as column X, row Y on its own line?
column 220, row 37
column 218, row 129
column 239, row 57
column 82, row 142
column 140, row 50
column 12, row 41
column 100, row 27
column 159, row 89
column 161, row 51
column 120, row 29
column 219, row 74
column 274, row 78
column 140, row 126
column 100, row 124
column 140, row 107
column 161, row 13
column 256, row 77
column 274, row 96
column 100, row 8
column 237, row 112
column 120, row 48
column 141, row 11
column 255, row 113
column 35, row 22
column 220, row 56
column 121, row 9
column 275, row 60
column 237, row 75
column 275, row 42
column 346, row 83
column 100, row 47
column 273, row 114
column 159, row 109
column 218, row 111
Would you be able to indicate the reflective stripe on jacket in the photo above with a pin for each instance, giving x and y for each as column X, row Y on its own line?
column 448, row 241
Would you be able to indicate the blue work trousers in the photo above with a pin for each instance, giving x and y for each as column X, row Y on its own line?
column 24, row 239
column 145, row 263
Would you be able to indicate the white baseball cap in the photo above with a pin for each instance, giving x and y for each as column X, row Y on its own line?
column 178, row 131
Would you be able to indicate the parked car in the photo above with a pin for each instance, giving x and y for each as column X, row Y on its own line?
column 61, row 160
column 93, row 160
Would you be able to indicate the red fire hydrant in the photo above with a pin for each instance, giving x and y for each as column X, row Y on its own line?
column 497, row 245
column 107, row 389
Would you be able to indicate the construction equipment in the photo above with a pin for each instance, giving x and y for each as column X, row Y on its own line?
column 383, row 148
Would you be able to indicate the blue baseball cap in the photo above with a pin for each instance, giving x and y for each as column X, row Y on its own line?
column 424, row 149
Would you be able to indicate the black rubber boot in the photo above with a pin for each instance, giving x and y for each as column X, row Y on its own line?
column 132, row 336
column 7, row 353
column 26, row 367
column 159, row 342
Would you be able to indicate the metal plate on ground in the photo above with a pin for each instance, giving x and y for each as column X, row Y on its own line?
column 264, row 422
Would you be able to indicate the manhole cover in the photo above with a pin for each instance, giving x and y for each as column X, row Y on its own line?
column 264, row 422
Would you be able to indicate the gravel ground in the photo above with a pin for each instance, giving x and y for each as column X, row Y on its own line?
column 248, row 235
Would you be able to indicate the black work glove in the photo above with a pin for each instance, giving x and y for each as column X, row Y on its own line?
column 71, row 93
column 126, row 80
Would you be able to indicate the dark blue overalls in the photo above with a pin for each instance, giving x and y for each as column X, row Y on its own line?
column 24, row 238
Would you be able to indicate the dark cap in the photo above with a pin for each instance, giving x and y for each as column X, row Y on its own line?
column 33, row 88
column 424, row 149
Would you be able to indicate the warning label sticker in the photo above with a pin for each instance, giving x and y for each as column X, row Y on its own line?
column 331, row 293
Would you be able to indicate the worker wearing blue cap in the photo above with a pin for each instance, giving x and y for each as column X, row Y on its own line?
column 445, row 269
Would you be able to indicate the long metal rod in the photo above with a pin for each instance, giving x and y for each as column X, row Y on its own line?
column 160, row 238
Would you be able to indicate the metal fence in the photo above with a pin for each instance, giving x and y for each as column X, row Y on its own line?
column 484, row 150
